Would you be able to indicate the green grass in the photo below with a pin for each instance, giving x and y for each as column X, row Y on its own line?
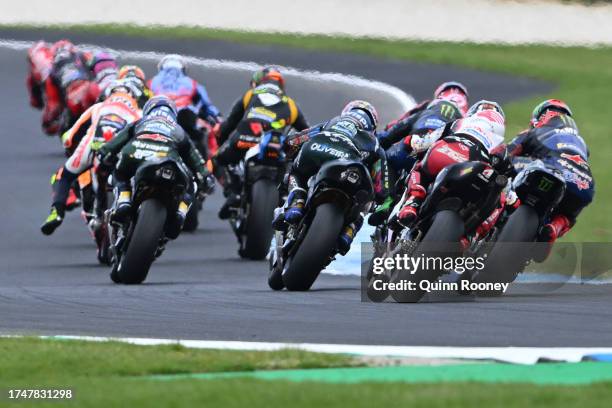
column 583, row 77
column 33, row 359
column 107, row 375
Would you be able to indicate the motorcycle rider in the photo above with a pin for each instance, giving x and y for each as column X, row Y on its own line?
column 40, row 60
column 156, row 132
column 450, row 103
column 135, row 73
column 477, row 137
column 349, row 135
column 69, row 88
column 554, row 138
column 100, row 123
column 104, row 68
column 190, row 97
column 263, row 108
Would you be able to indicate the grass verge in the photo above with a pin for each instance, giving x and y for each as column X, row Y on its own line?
column 107, row 375
column 583, row 76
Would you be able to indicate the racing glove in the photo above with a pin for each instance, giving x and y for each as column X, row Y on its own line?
column 501, row 160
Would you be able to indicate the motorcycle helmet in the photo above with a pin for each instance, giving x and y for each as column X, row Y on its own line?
column 368, row 116
column 173, row 61
column 160, row 103
column 454, row 92
column 267, row 74
column 548, row 109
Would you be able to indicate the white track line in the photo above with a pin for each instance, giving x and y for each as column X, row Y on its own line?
column 516, row 355
column 406, row 101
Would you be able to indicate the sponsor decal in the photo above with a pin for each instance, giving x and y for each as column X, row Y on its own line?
column 453, row 154
column 567, row 130
column 266, row 112
column 279, row 124
column 487, row 173
column 575, row 158
column 152, row 136
column 150, row 146
column 545, row 184
column 572, row 177
column 447, row 110
column 243, row 144
column 433, row 123
column 572, row 169
column 465, row 171
column 345, row 127
column 328, row 150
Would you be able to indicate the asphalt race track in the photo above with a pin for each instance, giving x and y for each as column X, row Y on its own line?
column 199, row 288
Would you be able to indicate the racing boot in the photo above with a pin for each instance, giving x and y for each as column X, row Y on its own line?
column 232, row 193
column 175, row 225
column 382, row 212
column 232, row 201
column 558, row 226
column 295, row 206
column 54, row 220
column 348, row 235
column 73, row 200
column 409, row 212
column 278, row 222
column 123, row 208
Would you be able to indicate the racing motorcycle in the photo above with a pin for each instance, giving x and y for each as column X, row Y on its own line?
column 97, row 224
column 158, row 187
column 540, row 188
column 460, row 199
column 337, row 195
column 198, row 130
column 260, row 173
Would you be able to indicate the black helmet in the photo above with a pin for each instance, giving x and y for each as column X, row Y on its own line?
column 367, row 114
column 158, row 102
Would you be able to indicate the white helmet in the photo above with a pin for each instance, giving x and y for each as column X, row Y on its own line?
column 488, row 126
column 173, row 61
column 485, row 105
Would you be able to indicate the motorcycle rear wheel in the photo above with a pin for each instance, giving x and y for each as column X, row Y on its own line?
column 443, row 235
column 316, row 248
column 507, row 260
column 140, row 254
column 256, row 241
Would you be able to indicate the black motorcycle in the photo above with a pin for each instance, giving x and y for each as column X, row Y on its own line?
column 158, row 187
column 260, row 173
column 97, row 224
column 337, row 196
column 198, row 131
column 540, row 189
column 460, row 199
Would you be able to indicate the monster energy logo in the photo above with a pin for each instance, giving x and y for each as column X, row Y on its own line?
column 447, row 110
column 545, row 185
column 568, row 121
